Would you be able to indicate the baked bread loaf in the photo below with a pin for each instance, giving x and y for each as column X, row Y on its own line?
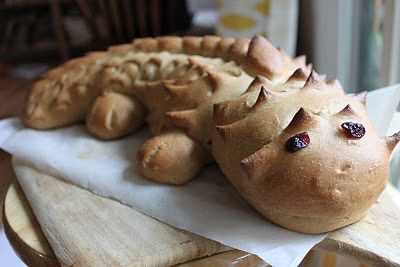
column 169, row 82
column 303, row 153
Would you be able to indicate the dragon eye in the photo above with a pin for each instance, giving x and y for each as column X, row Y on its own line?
column 353, row 129
column 297, row 142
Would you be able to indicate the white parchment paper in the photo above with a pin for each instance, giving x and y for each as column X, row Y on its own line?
column 208, row 205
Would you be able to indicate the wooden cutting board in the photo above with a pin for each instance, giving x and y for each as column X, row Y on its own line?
column 85, row 229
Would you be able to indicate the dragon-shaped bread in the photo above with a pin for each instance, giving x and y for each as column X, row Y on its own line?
column 298, row 149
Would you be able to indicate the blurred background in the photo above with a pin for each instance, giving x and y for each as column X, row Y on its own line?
column 356, row 41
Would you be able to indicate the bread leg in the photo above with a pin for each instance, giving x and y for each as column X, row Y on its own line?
column 114, row 115
column 171, row 158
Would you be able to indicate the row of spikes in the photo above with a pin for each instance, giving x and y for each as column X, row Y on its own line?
column 189, row 119
column 265, row 94
column 302, row 116
column 312, row 79
column 256, row 53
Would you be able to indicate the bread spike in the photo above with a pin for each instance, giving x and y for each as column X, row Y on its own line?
column 301, row 60
column 322, row 77
column 174, row 90
column 222, row 130
column 298, row 75
column 361, row 97
column 347, row 111
column 263, row 53
column 302, row 117
column 257, row 83
column 182, row 118
column 263, row 97
column 391, row 141
column 313, row 80
column 215, row 79
column 253, row 164
column 225, row 131
column 218, row 110
column 192, row 62
column 333, row 82
column 248, row 166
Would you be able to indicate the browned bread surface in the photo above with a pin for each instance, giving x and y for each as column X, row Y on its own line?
column 168, row 82
column 256, row 96
column 327, row 184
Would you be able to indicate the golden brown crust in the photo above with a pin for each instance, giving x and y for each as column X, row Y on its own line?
column 171, row 82
column 66, row 93
column 114, row 115
column 170, row 43
column 326, row 185
column 256, row 96
column 173, row 154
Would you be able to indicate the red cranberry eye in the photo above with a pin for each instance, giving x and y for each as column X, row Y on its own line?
column 297, row 142
column 353, row 129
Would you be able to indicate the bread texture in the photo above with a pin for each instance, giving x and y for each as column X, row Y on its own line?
column 294, row 145
column 171, row 83
column 326, row 185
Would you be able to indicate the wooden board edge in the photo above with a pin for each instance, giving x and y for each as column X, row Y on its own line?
column 26, row 253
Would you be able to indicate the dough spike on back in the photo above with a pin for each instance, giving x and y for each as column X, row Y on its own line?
column 391, row 141
column 256, row 83
column 225, row 130
column 182, row 119
column 264, row 95
column 215, row 79
column 334, row 82
column 301, row 118
column 219, row 110
column 263, row 53
column 174, row 90
column 362, row 97
column 314, row 80
column 192, row 63
column 347, row 111
column 301, row 60
column 257, row 163
column 299, row 75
